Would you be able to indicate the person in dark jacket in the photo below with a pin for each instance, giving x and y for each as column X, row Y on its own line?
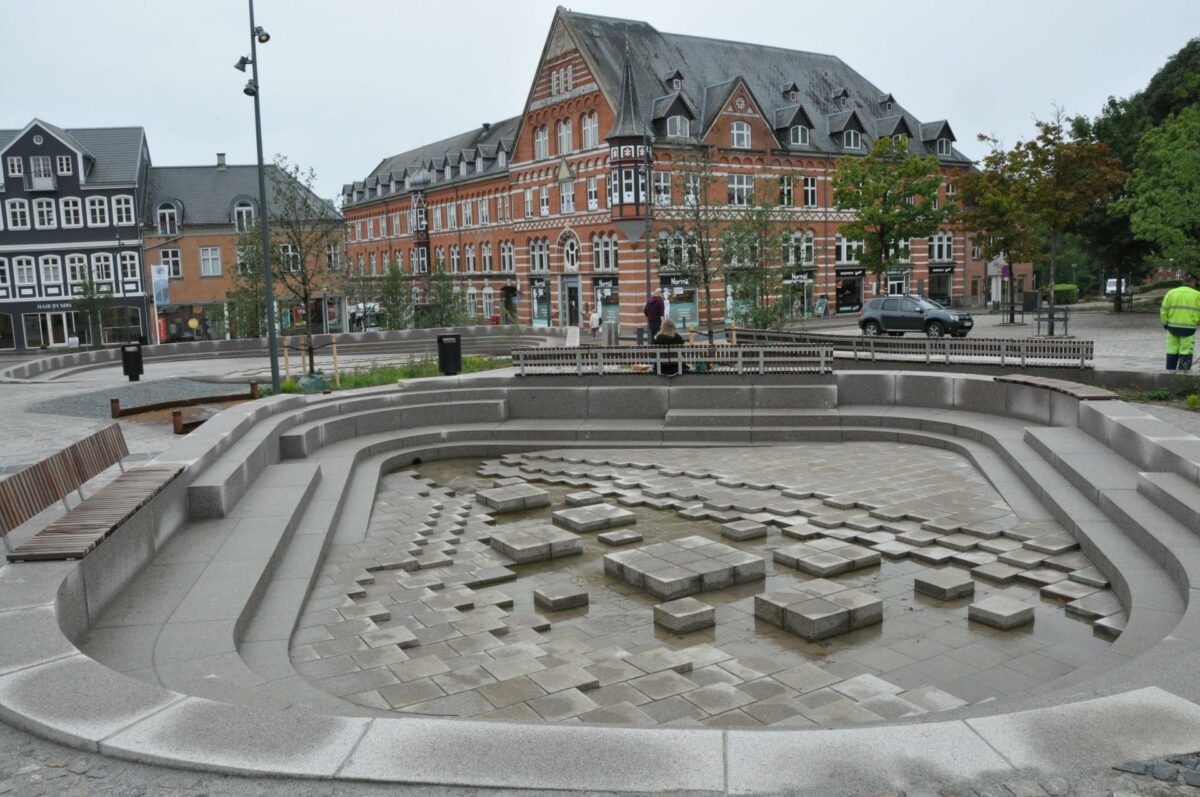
column 653, row 311
column 669, row 336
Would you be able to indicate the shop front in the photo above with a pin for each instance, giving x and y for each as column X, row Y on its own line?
column 607, row 297
column 680, row 298
column 798, row 292
column 848, row 290
column 898, row 280
column 186, row 322
column 57, row 325
column 569, row 301
column 539, row 300
column 941, row 282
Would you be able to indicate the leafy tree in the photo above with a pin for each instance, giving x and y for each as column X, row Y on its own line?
column 94, row 305
column 359, row 286
column 752, row 254
column 995, row 210
column 688, row 233
column 1164, row 205
column 304, row 226
column 249, row 294
column 396, row 298
column 893, row 195
column 447, row 305
column 1064, row 179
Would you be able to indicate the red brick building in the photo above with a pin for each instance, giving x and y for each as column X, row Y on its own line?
column 544, row 214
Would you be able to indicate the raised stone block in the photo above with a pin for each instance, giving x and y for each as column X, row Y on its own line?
column 999, row 611
column 557, row 597
column 864, row 609
column 932, row 554
column 743, row 530
column 824, row 564
column 623, row 537
column 815, row 619
column 513, row 498
column 596, row 517
column 583, row 498
column 684, row 615
column 946, row 585
column 998, row 572
column 536, row 544
column 676, row 569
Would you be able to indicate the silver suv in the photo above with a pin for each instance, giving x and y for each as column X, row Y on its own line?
column 896, row 315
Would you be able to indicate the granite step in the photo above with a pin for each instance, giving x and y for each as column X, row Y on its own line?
column 1175, row 494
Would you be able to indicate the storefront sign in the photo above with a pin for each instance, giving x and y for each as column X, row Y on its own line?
column 48, row 307
column 941, row 269
column 160, row 279
column 604, row 282
column 851, row 273
column 537, row 282
column 674, row 281
column 797, row 277
column 898, row 272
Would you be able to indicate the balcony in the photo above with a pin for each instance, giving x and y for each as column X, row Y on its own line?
column 41, row 183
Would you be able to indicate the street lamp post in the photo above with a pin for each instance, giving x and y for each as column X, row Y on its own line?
column 257, row 36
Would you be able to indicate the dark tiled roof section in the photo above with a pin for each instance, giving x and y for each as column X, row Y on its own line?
column 207, row 193
column 114, row 150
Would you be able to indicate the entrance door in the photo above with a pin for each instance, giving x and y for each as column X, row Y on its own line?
column 572, row 305
column 895, row 286
column 54, row 329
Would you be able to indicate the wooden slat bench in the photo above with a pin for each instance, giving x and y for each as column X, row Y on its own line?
column 30, row 491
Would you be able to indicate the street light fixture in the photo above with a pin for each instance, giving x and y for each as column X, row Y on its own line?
column 260, row 36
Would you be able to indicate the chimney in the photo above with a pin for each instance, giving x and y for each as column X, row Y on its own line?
column 487, row 126
column 221, row 161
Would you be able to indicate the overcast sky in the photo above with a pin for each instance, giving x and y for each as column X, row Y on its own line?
column 348, row 83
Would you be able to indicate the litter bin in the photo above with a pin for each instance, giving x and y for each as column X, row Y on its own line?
column 449, row 354
column 612, row 334
column 131, row 361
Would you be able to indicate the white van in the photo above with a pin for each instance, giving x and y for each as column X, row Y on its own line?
column 1111, row 287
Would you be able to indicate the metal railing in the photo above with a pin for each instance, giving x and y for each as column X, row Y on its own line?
column 1005, row 352
column 674, row 360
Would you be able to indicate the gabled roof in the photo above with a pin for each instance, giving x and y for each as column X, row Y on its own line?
column 894, row 125
column 837, row 122
column 932, row 131
column 113, row 153
column 206, row 193
column 791, row 116
column 663, row 106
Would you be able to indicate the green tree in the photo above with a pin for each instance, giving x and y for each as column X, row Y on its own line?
column 359, row 286
column 1164, row 203
column 893, row 195
column 249, row 295
column 1064, row 179
column 995, row 210
column 447, row 305
column 95, row 305
column 687, row 233
column 396, row 298
column 752, row 262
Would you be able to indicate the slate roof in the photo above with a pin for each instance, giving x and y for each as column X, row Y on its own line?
column 112, row 153
column 207, row 193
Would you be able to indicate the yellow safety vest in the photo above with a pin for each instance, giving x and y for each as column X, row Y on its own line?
column 1181, row 308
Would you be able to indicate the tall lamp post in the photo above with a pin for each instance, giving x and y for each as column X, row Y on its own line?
column 260, row 36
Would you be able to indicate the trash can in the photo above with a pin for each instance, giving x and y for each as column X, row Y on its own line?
column 131, row 361
column 612, row 334
column 449, row 354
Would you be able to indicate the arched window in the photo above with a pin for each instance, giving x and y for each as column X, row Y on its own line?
column 471, row 298
column 123, row 210
column 76, row 269
column 44, row 217
column 97, row 208
column 570, row 253
column 900, row 141
column 739, row 135
column 799, row 136
column 129, row 266
column 565, row 136
column 941, row 247
column 455, row 263
column 243, row 215
column 470, row 250
column 851, row 139
column 18, row 214
column 678, row 126
column 508, row 256
column 604, row 252
column 541, row 143
column 943, row 147
column 489, row 304
column 591, row 130
column 102, row 267
column 462, row 168
column 168, row 221
column 485, row 256
column 72, row 212
column 51, row 270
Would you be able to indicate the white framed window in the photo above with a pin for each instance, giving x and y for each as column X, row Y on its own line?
column 72, row 212
column 437, row 218
column 16, row 167
column 3, row 272
column 678, row 127
column 129, row 266
column 976, row 251
column 455, row 260
column 448, row 172
column 691, row 188
column 102, row 267
column 508, row 256
column 810, row 192
column 565, row 136
column 809, row 248
column 951, row 192
column 462, row 168
column 590, row 123
column 593, row 194
column 420, row 260
column 554, row 83
column 333, row 256
column 541, row 143
column 76, row 269
column 570, row 81
column 485, row 256
column 566, row 197
column 468, row 213
column 851, row 139
column 501, row 159
column 373, row 260
column 44, row 217
column 786, row 195
column 64, row 165
column 900, row 141
column 539, row 255
column 171, row 259
column 484, row 214
column 662, row 188
column 123, row 210
column 846, row 251
column 290, row 258
column 741, row 189
column 604, row 252
column 469, row 257
column 451, row 216
column 544, row 200
column 39, row 166
column 943, row 147
column 739, row 135
column 23, row 271
column 798, row 135
column 210, row 261
column 51, row 270
column 97, row 211
column 528, row 203
column 243, row 215
column 18, row 214
column 941, row 247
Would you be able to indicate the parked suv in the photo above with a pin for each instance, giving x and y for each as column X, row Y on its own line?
column 896, row 315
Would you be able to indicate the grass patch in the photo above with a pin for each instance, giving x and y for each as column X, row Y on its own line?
column 1182, row 393
column 391, row 374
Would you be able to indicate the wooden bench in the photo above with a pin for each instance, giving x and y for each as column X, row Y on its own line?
column 30, row 491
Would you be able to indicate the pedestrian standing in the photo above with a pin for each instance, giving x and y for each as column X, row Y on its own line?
column 1180, row 314
column 654, row 311
column 594, row 321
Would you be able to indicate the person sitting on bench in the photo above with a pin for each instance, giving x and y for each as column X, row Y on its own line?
column 669, row 336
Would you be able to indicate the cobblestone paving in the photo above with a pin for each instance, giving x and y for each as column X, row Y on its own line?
column 95, row 403
column 425, row 618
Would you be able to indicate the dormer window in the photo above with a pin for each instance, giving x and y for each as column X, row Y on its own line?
column 943, row 147
column 478, row 163
column 407, row 182
column 677, row 84
column 678, row 127
column 501, row 159
column 887, row 106
column 462, row 168
column 739, row 135
column 900, row 140
column 843, row 100
column 168, row 220
column 448, row 173
column 243, row 215
column 798, row 135
column 793, row 95
column 851, row 139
